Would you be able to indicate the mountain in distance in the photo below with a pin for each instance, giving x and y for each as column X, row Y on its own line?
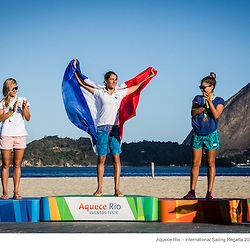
column 234, row 125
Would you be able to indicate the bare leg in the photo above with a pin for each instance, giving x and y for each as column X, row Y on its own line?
column 6, row 157
column 211, row 169
column 195, row 169
column 17, row 161
column 117, row 173
column 100, row 173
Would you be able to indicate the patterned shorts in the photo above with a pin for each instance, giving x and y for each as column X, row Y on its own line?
column 108, row 140
column 208, row 142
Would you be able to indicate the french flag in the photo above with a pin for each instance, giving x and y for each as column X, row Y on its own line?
column 80, row 104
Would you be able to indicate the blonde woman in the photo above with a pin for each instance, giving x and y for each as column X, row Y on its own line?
column 13, row 111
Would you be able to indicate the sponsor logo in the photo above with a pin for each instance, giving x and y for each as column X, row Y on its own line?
column 110, row 208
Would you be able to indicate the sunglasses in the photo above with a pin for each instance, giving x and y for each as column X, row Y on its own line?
column 16, row 88
column 204, row 87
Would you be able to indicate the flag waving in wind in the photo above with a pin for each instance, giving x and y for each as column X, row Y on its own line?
column 80, row 104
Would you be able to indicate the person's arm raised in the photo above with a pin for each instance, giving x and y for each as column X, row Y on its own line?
column 81, row 82
column 133, row 88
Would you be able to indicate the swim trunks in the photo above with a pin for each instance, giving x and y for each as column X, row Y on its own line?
column 108, row 140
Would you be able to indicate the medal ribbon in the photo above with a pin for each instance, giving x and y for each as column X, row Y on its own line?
column 11, row 118
column 205, row 112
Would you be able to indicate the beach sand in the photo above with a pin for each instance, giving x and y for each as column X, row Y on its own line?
column 161, row 187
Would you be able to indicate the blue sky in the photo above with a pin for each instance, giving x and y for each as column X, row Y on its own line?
column 183, row 40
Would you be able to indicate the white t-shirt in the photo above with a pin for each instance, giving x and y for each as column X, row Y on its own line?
column 14, row 125
column 108, row 105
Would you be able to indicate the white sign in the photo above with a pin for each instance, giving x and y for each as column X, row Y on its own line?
column 101, row 208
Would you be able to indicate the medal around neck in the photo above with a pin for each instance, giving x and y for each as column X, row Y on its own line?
column 11, row 119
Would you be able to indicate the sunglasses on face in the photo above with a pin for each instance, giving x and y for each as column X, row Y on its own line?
column 204, row 87
column 16, row 88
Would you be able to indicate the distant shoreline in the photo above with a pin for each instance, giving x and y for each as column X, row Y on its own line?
column 125, row 166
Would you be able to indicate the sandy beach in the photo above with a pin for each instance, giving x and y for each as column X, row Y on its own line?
column 161, row 187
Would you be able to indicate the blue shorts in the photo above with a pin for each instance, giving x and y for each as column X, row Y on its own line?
column 208, row 142
column 108, row 140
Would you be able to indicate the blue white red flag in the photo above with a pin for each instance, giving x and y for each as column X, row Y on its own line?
column 80, row 104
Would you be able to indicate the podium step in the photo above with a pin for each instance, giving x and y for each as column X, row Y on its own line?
column 24, row 210
column 203, row 210
column 248, row 210
column 127, row 208
column 90, row 208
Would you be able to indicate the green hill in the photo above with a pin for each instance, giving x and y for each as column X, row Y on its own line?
column 56, row 151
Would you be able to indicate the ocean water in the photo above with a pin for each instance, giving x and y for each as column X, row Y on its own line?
column 49, row 172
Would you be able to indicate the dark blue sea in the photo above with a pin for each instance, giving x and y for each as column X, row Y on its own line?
column 49, row 172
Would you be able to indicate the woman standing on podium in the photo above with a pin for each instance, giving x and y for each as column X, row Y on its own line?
column 109, row 99
column 13, row 111
column 206, row 109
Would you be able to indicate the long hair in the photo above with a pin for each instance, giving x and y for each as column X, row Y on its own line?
column 7, row 88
